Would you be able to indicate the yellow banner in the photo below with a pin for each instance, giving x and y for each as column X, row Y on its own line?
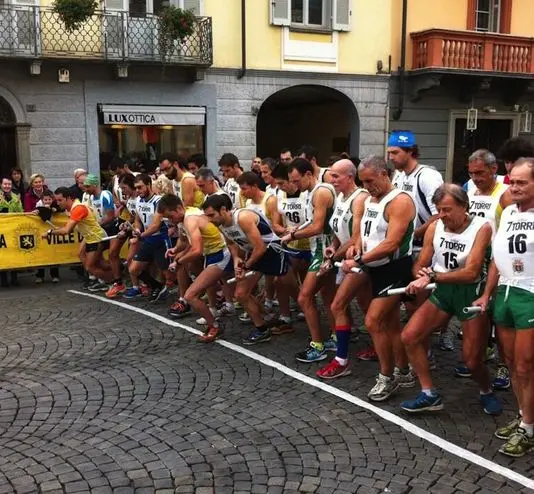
column 21, row 245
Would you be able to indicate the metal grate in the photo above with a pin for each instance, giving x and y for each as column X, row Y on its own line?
column 37, row 32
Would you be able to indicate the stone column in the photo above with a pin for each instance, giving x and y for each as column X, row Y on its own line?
column 23, row 148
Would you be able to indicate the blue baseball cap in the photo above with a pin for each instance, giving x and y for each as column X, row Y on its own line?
column 401, row 139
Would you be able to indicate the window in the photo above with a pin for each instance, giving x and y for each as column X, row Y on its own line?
column 488, row 15
column 332, row 15
column 311, row 13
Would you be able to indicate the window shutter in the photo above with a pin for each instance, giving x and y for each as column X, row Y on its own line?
column 194, row 5
column 341, row 15
column 280, row 12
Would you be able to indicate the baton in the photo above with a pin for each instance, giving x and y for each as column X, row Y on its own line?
column 474, row 309
column 354, row 269
column 109, row 238
column 248, row 274
column 399, row 291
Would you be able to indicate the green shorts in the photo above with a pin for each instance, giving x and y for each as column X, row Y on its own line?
column 514, row 310
column 452, row 298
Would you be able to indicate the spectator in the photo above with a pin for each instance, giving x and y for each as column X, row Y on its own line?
column 286, row 156
column 79, row 177
column 9, row 203
column 19, row 185
column 47, row 201
column 34, row 192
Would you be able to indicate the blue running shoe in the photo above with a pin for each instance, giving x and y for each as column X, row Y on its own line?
column 462, row 371
column 502, row 378
column 330, row 345
column 257, row 336
column 132, row 292
column 311, row 354
column 423, row 403
column 491, row 404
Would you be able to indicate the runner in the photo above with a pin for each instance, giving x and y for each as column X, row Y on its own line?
column 456, row 246
column 347, row 232
column 185, row 185
column 511, row 282
column 254, row 247
column 207, row 182
column 310, row 153
column 83, row 219
column 291, row 213
column 151, row 232
column 231, row 170
column 204, row 240
column 319, row 206
column 387, row 221
column 487, row 198
column 266, row 168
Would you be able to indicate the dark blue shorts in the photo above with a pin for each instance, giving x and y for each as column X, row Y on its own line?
column 153, row 249
column 273, row 263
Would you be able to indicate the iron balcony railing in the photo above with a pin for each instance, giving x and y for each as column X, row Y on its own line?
column 37, row 32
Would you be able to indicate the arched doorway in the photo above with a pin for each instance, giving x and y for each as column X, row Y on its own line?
column 8, row 138
column 308, row 114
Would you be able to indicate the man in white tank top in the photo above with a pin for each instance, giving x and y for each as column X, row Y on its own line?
column 386, row 231
column 511, row 283
column 347, row 232
column 456, row 248
column 320, row 204
column 231, row 170
column 310, row 153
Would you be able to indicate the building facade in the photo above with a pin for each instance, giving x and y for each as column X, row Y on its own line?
column 253, row 77
column 468, row 78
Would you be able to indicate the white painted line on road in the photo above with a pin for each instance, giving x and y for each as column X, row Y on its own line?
column 384, row 414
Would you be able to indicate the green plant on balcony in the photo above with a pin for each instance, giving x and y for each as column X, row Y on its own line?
column 175, row 24
column 74, row 13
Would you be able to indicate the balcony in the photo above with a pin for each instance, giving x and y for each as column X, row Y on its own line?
column 469, row 51
column 38, row 33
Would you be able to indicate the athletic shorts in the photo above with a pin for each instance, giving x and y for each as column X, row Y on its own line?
column 394, row 274
column 304, row 255
column 94, row 247
column 452, row 298
column 153, row 249
column 317, row 255
column 273, row 263
column 221, row 259
column 513, row 308
column 111, row 228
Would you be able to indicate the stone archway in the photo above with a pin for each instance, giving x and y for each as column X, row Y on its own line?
column 308, row 114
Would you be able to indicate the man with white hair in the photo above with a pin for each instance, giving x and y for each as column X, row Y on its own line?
column 76, row 189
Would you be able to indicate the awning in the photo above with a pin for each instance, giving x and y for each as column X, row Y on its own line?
column 153, row 115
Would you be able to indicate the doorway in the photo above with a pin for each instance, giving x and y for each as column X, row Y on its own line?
column 492, row 131
column 8, row 138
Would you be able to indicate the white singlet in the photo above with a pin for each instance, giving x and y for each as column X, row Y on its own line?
column 321, row 240
column 452, row 249
column 102, row 203
column 374, row 227
column 231, row 187
column 513, row 248
column 146, row 210
column 238, row 236
column 341, row 219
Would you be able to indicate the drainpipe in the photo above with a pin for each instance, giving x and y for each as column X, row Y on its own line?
column 402, row 69
column 243, row 69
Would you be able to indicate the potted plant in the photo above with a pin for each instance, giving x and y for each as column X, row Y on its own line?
column 74, row 13
column 175, row 24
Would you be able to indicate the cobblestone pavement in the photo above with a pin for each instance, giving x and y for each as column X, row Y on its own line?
column 97, row 398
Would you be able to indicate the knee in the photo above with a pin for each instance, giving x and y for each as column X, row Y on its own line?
column 338, row 306
column 409, row 338
column 524, row 369
column 304, row 299
column 373, row 322
column 191, row 295
column 133, row 268
column 240, row 294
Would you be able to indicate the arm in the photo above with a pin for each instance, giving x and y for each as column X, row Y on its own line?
column 192, row 226
column 474, row 263
column 427, row 252
column 247, row 222
column 321, row 202
column 64, row 230
column 420, row 232
column 491, row 285
column 432, row 181
column 189, row 186
column 276, row 218
column 401, row 212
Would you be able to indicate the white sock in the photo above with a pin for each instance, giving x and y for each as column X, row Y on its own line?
column 429, row 392
column 528, row 427
column 484, row 393
column 92, row 277
column 342, row 361
column 229, row 305
column 285, row 319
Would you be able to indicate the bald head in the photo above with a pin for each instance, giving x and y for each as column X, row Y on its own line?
column 344, row 167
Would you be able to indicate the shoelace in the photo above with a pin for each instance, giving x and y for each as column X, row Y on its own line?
column 178, row 306
column 502, row 373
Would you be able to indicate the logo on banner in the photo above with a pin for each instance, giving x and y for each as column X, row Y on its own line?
column 27, row 238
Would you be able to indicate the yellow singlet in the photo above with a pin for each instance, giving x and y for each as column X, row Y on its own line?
column 211, row 235
column 199, row 196
column 89, row 227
